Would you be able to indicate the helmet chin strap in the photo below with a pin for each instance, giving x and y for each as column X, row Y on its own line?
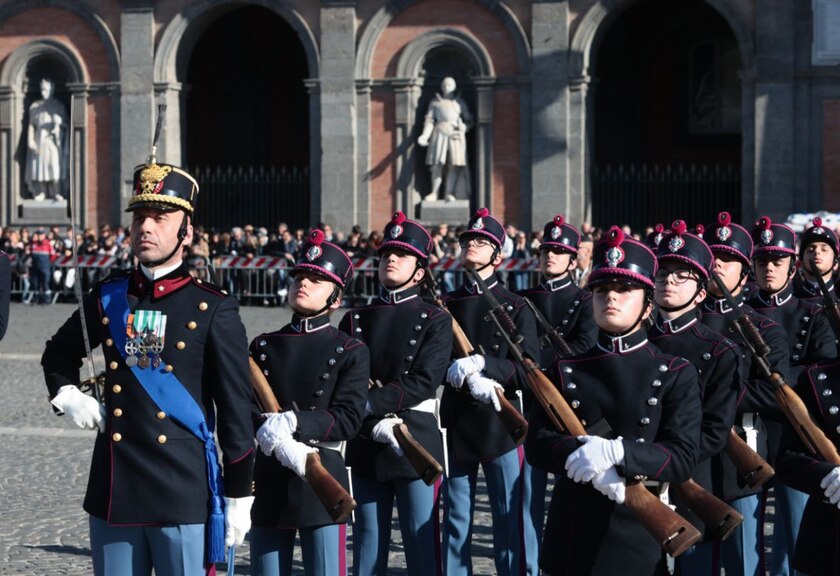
column 495, row 253
column 182, row 233
column 639, row 319
column 397, row 288
column 330, row 301
column 688, row 302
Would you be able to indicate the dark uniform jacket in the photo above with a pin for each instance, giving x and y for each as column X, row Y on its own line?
column 809, row 291
column 717, row 361
column 818, row 545
column 5, row 291
column 652, row 400
column 567, row 308
column 324, row 372
column 410, row 342
column 474, row 431
column 757, row 399
column 147, row 469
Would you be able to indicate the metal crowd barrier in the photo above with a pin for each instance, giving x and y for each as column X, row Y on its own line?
column 265, row 279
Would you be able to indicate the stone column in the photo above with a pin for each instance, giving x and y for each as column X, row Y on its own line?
column 340, row 201
column 550, row 121
column 137, row 28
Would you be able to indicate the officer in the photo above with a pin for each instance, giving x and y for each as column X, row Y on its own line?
column 810, row 340
column 732, row 246
column 177, row 363
column 819, row 532
column 5, row 291
column 817, row 247
column 468, row 411
column 410, row 341
column 319, row 375
column 568, row 309
column 681, row 280
column 649, row 398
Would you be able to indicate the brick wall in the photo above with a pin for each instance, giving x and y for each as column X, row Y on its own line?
column 831, row 156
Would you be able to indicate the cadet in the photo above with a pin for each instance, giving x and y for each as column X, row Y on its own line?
column 652, row 402
column 569, row 310
column 174, row 348
column 810, row 340
column 410, row 341
column 819, row 533
column 684, row 265
column 817, row 246
column 743, row 552
column 5, row 291
column 468, row 411
column 319, row 376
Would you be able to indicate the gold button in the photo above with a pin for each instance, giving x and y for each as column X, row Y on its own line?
column 192, row 325
column 161, row 415
column 113, row 365
column 180, row 345
column 168, row 368
column 109, row 342
column 117, row 388
column 202, row 306
column 105, row 320
column 161, row 439
column 117, row 412
column 198, row 281
column 116, row 437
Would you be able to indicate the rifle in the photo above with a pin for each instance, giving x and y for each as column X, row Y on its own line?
column 720, row 518
column 513, row 421
column 336, row 500
column 789, row 401
column 670, row 530
column 830, row 304
column 423, row 463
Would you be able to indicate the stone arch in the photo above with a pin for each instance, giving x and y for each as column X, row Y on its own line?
column 15, row 68
column 411, row 59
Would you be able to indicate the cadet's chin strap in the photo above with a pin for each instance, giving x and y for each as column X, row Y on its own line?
column 418, row 265
column 495, row 253
column 648, row 302
column 182, row 233
column 330, row 301
column 700, row 287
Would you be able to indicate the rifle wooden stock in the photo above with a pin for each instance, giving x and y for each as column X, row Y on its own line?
column 752, row 468
column 336, row 500
column 720, row 518
column 514, row 422
column 670, row 530
column 424, row 463
column 812, row 435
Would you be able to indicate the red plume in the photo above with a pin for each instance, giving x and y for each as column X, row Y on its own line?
column 615, row 236
column 679, row 227
column 316, row 237
column 559, row 220
column 700, row 229
column 482, row 213
column 817, row 222
column 398, row 218
column 724, row 218
column 764, row 223
column 659, row 228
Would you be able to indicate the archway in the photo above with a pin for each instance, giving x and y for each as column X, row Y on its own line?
column 248, row 121
column 666, row 115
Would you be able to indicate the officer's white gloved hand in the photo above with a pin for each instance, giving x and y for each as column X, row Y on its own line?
column 484, row 390
column 276, row 427
column 292, row 454
column 384, row 432
column 83, row 410
column 237, row 519
column 610, row 484
column 831, row 485
column 595, row 456
column 463, row 367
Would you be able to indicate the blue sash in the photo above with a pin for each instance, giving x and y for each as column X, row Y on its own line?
column 169, row 394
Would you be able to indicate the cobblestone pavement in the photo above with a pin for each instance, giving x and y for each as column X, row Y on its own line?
column 45, row 459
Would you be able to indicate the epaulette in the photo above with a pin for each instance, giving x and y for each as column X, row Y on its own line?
column 215, row 289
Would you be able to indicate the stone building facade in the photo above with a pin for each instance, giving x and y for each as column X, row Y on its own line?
column 339, row 87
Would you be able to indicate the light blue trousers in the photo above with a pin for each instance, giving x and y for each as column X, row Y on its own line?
column 789, row 507
column 742, row 554
column 324, row 550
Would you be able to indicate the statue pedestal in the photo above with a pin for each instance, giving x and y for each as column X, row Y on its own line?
column 43, row 212
column 434, row 212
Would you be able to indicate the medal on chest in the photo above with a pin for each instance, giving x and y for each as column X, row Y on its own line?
column 145, row 332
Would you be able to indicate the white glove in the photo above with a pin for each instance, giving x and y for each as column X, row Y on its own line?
column 237, row 520
column 83, row 410
column 595, row 456
column 384, row 432
column 484, row 390
column 463, row 367
column 610, row 484
column 275, row 428
column 292, row 454
column 831, row 485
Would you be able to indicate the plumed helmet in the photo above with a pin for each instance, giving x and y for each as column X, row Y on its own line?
column 485, row 225
column 617, row 258
column 408, row 235
column 654, row 238
column 324, row 258
column 817, row 233
column 773, row 239
column 560, row 234
column 726, row 236
column 681, row 246
column 163, row 187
